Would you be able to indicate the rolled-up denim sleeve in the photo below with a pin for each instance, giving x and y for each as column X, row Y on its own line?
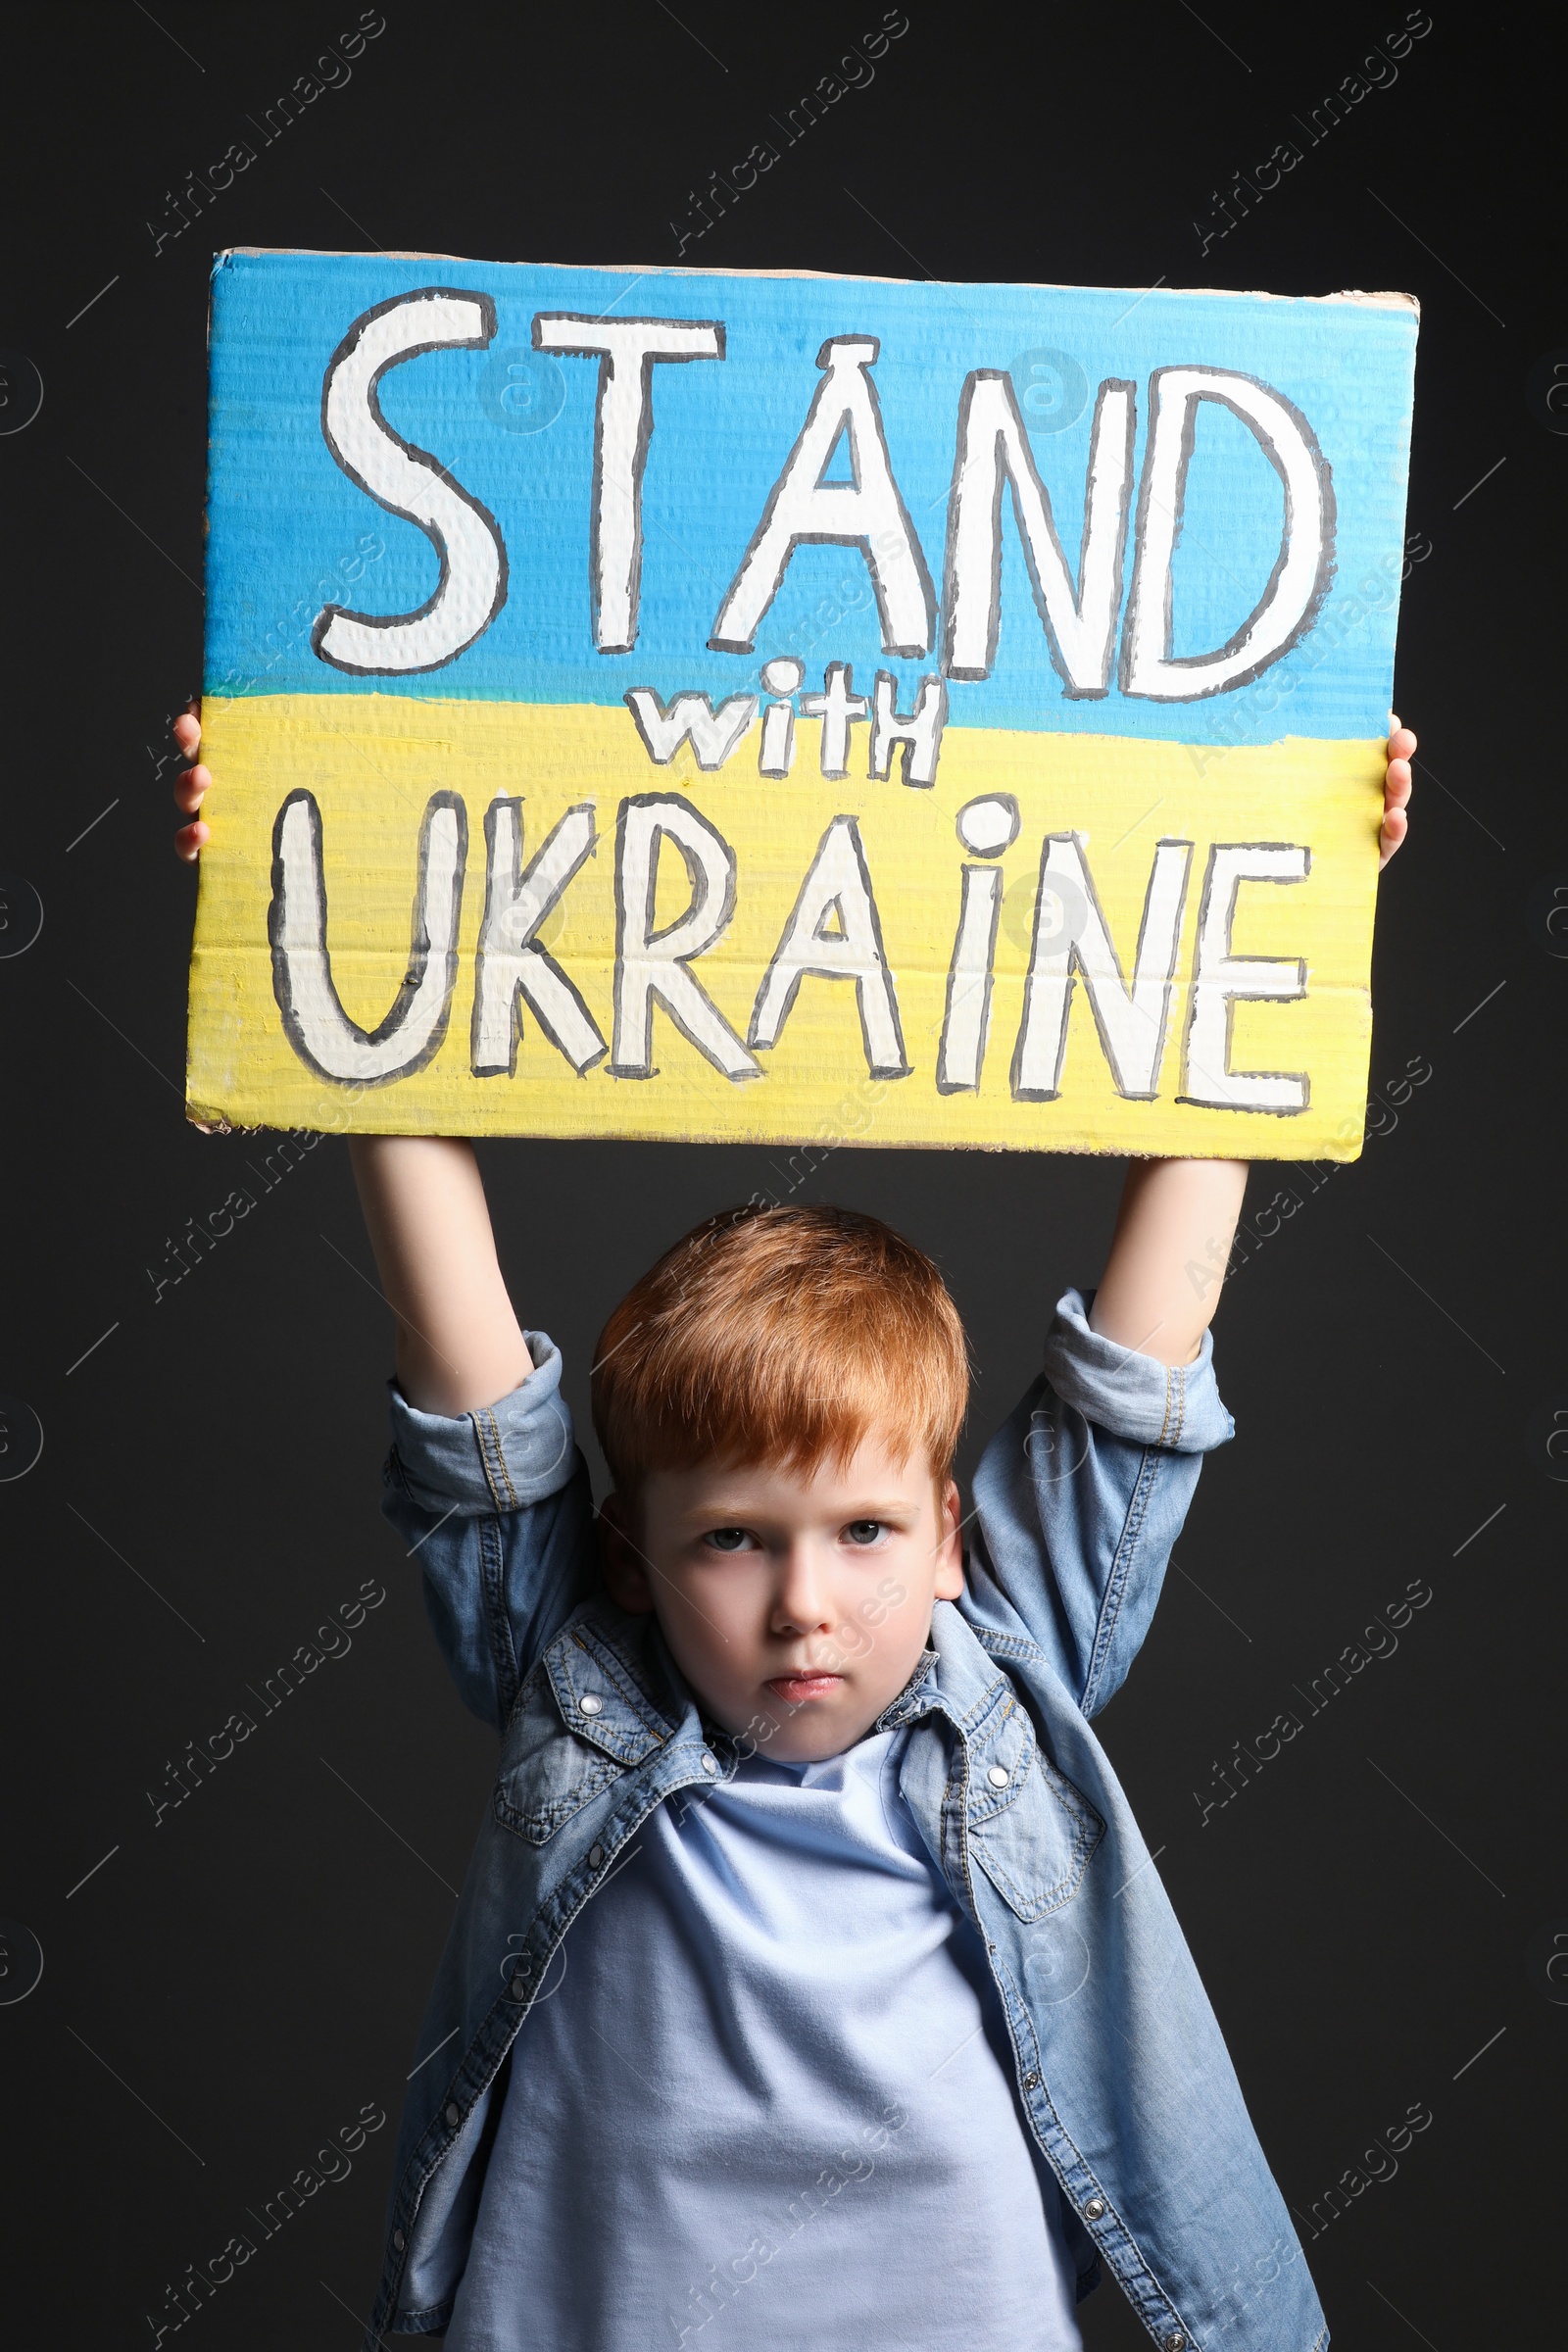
column 1080, row 1496
column 496, row 1508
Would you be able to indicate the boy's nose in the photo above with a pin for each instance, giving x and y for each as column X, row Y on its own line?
column 801, row 1604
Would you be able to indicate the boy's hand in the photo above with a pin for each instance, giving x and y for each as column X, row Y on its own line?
column 192, row 785
column 1395, row 790
column 1168, row 1255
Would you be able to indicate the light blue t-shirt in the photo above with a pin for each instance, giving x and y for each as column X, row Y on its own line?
column 764, row 2098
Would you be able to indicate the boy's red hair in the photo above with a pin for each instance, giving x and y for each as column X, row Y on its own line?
column 784, row 1336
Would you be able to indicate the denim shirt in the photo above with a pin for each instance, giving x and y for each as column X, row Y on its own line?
column 1122, row 2074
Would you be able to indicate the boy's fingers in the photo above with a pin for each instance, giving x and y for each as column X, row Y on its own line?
column 189, row 839
column 1396, row 784
column 190, row 788
column 1396, row 825
column 1402, row 744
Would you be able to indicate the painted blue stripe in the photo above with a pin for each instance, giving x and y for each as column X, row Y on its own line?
column 288, row 531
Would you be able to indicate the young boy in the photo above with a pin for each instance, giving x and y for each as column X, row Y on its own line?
column 874, row 2027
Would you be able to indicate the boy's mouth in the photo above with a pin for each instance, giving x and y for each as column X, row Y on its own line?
column 798, row 1689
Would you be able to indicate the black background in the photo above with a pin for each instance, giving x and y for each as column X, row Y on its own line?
column 226, row 1989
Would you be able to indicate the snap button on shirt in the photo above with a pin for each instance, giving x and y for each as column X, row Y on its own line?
column 590, row 1702
column 998, row 1776
column 709, row 1763
column 596, row 1855
column 453, row 2111
column 1093, row 2209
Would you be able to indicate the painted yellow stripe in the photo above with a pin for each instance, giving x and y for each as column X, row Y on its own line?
column 372, row 763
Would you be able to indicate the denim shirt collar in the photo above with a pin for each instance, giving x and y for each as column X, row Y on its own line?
column 914, row 1699
column 617, row 1685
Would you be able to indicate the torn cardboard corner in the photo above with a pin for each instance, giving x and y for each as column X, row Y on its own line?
column 811, row 710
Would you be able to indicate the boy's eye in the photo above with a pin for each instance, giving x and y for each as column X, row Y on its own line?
column 863, row 1530
column 727, row 1539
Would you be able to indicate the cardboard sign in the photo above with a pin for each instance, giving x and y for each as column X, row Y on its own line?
column 731, row 706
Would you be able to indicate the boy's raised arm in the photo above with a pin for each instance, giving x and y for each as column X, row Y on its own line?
column 459, row 1342
column 1173, row 1231
column 1161, row 1282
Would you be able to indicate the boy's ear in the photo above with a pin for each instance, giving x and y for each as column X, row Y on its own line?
column 624, row 1569
column 950, row 1552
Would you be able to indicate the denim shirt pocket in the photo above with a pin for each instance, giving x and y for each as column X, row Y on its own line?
column 578, row 1725
column 1032, row 1832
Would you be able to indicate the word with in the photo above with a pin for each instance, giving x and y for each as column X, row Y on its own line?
column 714, row 734
column 859, row 73
column 1380, row 73
column 331, row 1642
column 1237, row 721
column 368, row 550
column 834, row 930
column 1379, row 2162
column 286, row 1155
column 239, row 154
column 690, row 717
column 725, row 2280
column 198, row 2285
column 1081, row 620
column 1379, row 1639
column 1381, row 1119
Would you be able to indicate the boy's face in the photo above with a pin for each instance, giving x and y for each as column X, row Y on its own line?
column 795, row 1605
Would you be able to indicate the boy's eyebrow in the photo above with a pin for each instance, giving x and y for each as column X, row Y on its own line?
column 723, row 1514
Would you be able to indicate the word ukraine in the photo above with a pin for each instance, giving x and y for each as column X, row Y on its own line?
column 703, row 868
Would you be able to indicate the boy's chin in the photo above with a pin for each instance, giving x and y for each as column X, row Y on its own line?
column 816, row 1729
